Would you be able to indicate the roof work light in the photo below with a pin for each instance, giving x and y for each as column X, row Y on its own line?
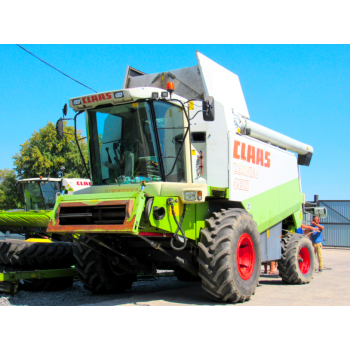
column 170, row 88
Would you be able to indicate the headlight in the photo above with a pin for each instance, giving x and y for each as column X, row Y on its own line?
column 118, row 94
column 190, row 196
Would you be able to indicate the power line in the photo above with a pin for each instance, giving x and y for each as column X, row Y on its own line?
column 54, row 67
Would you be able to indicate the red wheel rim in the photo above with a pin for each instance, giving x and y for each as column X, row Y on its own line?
column 304, row 260
column 245, row 256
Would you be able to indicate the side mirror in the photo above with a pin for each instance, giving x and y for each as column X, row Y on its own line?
column 59, row 128
column 64, row 110
column 208, row 109
column 321, row 212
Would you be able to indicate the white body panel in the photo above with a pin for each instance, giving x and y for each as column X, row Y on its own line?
column 73, row 185
column 41, row 179
column 231, row 114
column 222, row 84
column 247, row 178
column 215, row 149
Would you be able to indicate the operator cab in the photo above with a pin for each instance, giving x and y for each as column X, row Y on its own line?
column 124, row 143
column 137, row 134
column 40, row 193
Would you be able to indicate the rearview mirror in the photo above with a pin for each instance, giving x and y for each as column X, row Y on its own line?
column 64, row 110
column 208, row 109
column 59, row 128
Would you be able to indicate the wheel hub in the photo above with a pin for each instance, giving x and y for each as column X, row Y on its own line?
column 245, row 256
column 304, row 260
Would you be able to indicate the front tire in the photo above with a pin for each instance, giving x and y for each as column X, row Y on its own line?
column 96, row 271
column 230, row 256
column 297, row 262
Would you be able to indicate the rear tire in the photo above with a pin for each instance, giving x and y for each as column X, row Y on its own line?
column 297, row 262
column 96, row 272
column 36, row 255
column 230, row 256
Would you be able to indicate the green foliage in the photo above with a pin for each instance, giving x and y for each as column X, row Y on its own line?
column 11, row 196
column 44, row 155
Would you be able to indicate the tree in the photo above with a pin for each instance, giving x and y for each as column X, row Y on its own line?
column 11, row 196
column 44, row 155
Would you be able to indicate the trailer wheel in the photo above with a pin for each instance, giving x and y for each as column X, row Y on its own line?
column 37, row 255
column 297, row 262
column 230, row 256
column 96, row 272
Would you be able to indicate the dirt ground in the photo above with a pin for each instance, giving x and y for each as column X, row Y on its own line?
column 331, row 287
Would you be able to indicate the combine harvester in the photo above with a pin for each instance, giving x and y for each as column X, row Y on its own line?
column 40, row 197
column 37, row 263
column 182, row 179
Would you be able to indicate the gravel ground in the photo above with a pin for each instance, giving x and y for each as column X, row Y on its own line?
column 78, row 295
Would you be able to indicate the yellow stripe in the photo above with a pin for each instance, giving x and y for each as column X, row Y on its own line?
column 38, row 240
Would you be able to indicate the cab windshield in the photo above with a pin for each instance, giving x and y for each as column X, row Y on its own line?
column 124, row 139
column 40, row 195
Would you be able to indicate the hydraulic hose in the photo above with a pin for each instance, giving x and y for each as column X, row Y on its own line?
column 170, row 202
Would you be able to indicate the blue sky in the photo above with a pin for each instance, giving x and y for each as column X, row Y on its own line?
column 299, row 90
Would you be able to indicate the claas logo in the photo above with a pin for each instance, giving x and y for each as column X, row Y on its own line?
column 249, row 154
column 97, row 98
column 83, row 183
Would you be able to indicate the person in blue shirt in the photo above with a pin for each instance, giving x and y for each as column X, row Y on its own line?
column 316, row 239
column 299, row 230
column 304, row 230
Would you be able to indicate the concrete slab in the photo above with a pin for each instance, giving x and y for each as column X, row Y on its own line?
column 331, row 287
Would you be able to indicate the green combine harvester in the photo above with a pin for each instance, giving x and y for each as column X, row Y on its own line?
column 182, row 179
column 40, row 197
column 37, row 264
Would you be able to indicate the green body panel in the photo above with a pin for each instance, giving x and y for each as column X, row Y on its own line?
column 194, row 217
column 139, row 205
column 267, row 208
column 36, row 274
column 97, row 197
column 202, row 213
column 298, row 217
column 193, row 222
column 32, row 218
column 168, row 223
column 93, row 199
column 9, row 280
column 271, row 207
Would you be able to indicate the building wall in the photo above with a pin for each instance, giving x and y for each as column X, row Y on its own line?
column 337, row 224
